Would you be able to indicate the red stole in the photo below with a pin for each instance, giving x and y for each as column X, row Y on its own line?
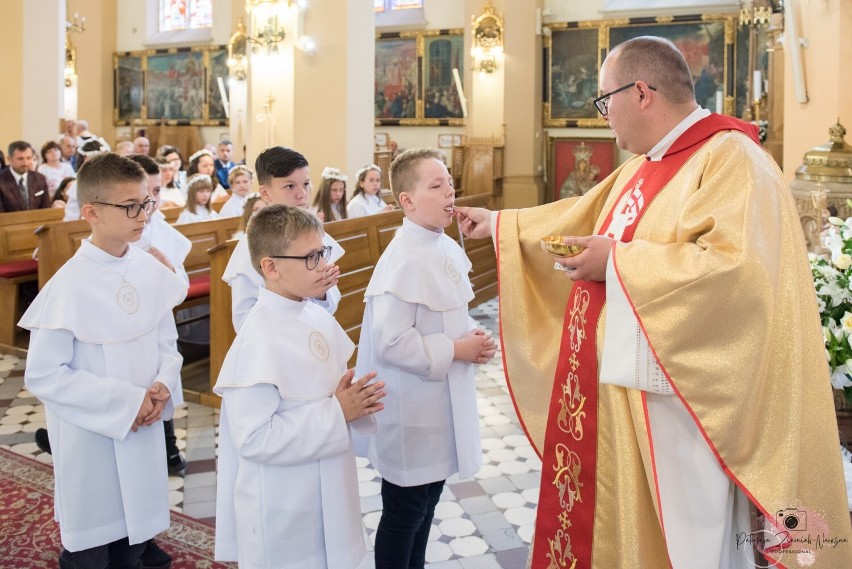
column 566, row 507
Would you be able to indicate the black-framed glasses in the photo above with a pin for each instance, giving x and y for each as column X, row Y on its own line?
column 134, row 209
column 311, row 259
column 602, row 102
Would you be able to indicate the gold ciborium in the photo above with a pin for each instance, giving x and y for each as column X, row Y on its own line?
column 554, row 244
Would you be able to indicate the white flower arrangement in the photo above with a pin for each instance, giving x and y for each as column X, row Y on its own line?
column 832, row 274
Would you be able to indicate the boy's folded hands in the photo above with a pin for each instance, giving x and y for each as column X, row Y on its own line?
column 359, row 398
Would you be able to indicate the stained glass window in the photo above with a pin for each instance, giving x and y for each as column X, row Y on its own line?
column 379, row 5
column 185, row 14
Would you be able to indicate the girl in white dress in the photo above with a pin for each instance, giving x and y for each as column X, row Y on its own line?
column 254, row 203
column 330, row 201
column 366, row 200
column 202, row 163
column 199, row 188
column 239, row 178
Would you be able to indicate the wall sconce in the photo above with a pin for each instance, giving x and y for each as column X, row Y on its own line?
column 238, row 51
column 267, row 24
column 487, row 40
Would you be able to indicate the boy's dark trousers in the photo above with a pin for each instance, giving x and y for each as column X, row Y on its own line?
column 116, row 555
column 403, row 532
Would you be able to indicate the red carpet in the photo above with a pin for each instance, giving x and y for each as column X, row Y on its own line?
column 29, row 538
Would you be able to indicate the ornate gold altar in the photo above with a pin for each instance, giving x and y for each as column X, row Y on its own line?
column 823, row 184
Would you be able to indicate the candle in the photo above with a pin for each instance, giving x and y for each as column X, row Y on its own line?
column 719, row 100
column 757, row 85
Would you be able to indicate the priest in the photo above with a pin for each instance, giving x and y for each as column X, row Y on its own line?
column 675, row 384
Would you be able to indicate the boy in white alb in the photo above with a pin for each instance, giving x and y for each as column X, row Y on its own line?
column 287, row 488
column 418, row 337
column 102, row 358
column 284, row 178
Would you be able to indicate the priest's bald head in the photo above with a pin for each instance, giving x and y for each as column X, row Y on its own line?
column 646, row 89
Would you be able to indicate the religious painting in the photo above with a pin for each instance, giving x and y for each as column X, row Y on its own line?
column 175, row 86
column 178, row 86
column 128, row 88
column 572, row 77
column 441, row 55
column 707, row 44
column 397, row 85
column 574, row 52
column 578, row 164
column 217, row 82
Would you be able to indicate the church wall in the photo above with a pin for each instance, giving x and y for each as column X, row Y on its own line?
column 95, row 47
column 12, row 71
column 825, row 26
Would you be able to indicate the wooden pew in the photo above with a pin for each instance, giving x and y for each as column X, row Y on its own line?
column 171, row 213
column 17, row 243
column 364, row 239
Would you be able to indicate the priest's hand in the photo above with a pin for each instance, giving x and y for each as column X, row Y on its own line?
column 359, row 398
column 159, row 394
column 475, row 222
column 328, row 279
column 590, row 265
column 145, row 409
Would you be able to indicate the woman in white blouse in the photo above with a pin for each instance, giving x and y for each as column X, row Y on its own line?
column 366, row 200
column 52, row 167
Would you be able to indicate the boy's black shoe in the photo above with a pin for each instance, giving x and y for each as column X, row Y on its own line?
column 176, row 463
column 155, row 558
column 42, row 440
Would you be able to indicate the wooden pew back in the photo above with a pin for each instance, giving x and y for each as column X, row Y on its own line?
column 171, row 213
column 17, row 242
column 205, row 235
column 17, row 232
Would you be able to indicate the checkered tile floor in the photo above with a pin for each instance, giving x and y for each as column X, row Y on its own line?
column 481, row 523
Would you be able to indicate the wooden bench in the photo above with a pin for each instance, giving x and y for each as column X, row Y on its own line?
column 17, row 243
column 171, row 213
column 364, row 239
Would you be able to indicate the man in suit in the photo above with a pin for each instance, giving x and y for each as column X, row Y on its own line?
column 223, row 162
column 20, row 187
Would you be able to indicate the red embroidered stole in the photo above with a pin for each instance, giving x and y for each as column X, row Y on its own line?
column 566, row 508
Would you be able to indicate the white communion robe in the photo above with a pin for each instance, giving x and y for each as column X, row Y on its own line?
column 102, row 332
column 234, row 206
column 416, row 306
column 245, row 281
column 161, row 235
column 362, row 205
column 287, row 488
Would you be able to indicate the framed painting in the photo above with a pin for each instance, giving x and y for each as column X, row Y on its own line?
column 128, row 88
column 573, row 60
column 708, row 45
column 441, row 54
column 397, row 78
column 218, row 68
column 576, row 165
column 380, row 140
column 175, row 86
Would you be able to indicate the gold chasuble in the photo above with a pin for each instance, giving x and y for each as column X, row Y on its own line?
column 712, row 260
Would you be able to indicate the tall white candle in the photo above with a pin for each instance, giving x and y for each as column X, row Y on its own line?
column 757, row 84
column 719, row 99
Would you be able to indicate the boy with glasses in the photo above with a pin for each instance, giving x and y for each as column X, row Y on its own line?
column 287, row 491
column 284, row 178
column 102, row 358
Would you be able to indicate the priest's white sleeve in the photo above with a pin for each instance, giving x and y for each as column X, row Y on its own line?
column 627, row 357
column 168, row 370
column 398, row 343
column 263, row 434
column 98, row 404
